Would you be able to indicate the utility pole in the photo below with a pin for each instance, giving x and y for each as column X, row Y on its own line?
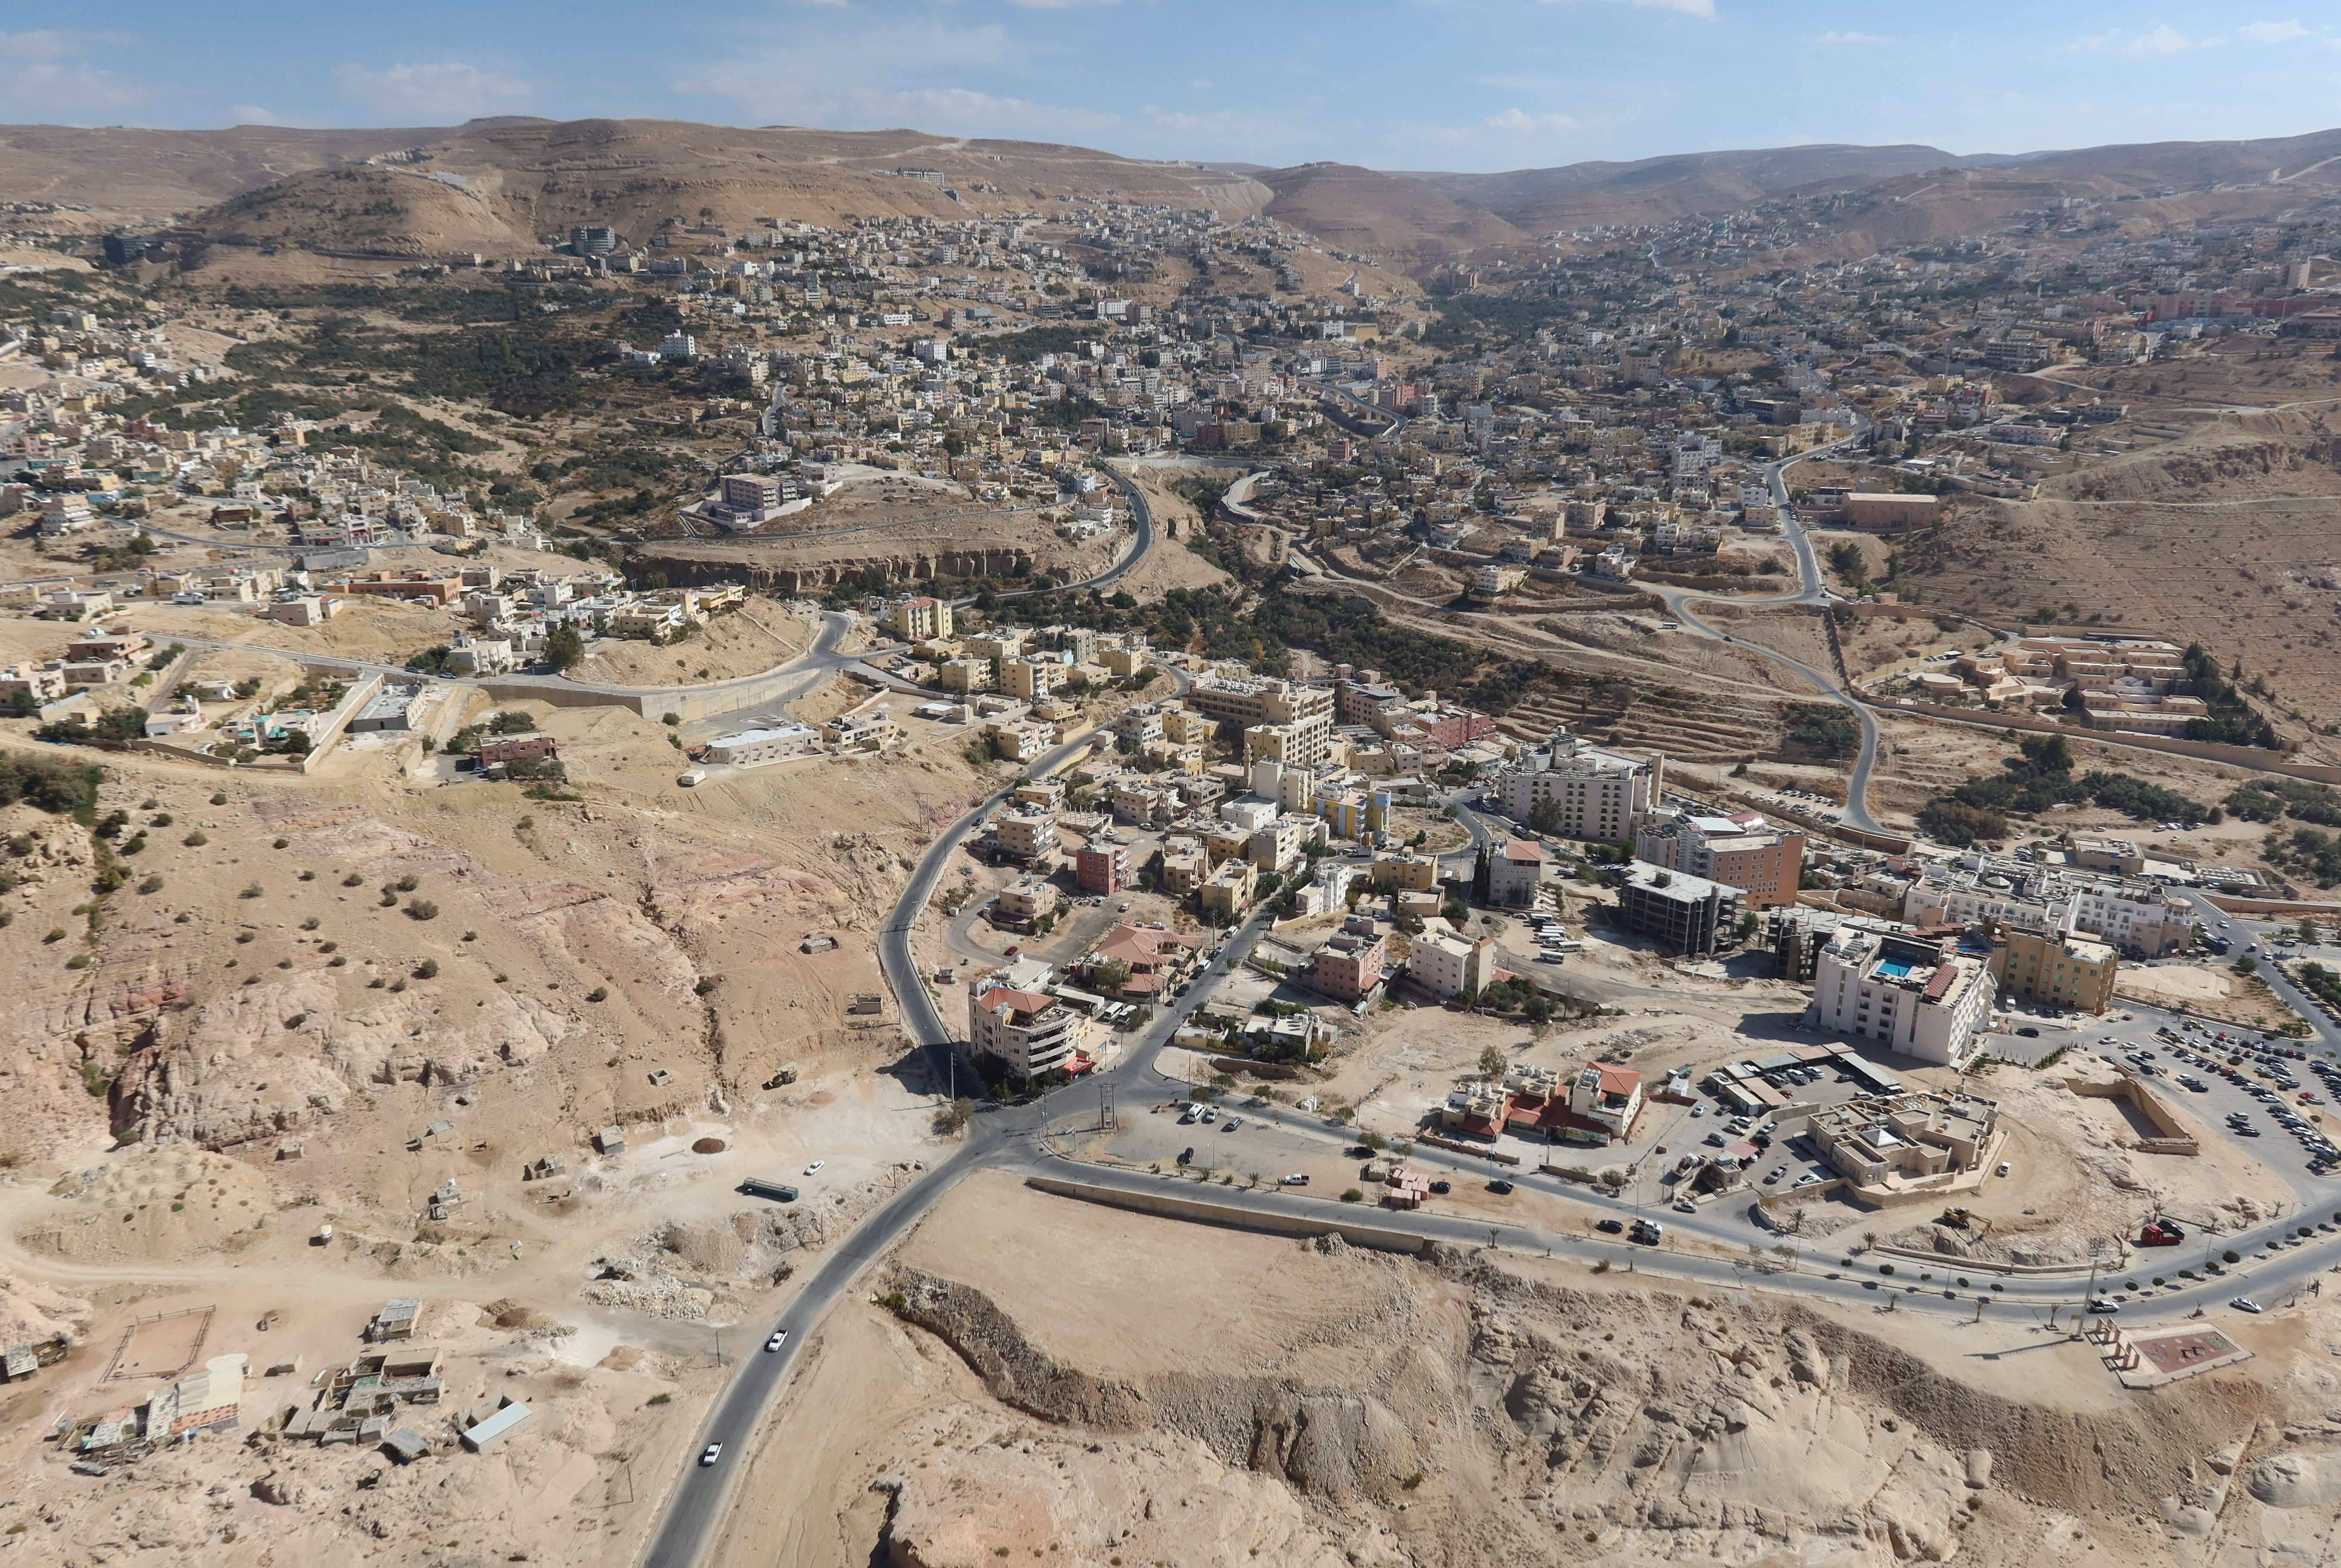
column 1107, row 1121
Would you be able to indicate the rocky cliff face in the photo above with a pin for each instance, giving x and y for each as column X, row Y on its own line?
column 1533, row 1422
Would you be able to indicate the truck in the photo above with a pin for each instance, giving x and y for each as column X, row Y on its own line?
column 1647, row 1231
column 779, row 1192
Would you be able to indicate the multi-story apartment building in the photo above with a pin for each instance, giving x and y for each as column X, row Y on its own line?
column 1597, row 794
column 1303, row 716
column 1102, row 865
column 1346, row 967
column 1024, row 901
column 1030, row 679
column 1444, row 963
column 1909, row 993
column 1028, row 1032
column 1027, row 832
column 1689, row 914
column 1763, row 861
column 2054, row 968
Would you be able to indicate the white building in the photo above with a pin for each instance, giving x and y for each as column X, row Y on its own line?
column 1029, row 1031
column 1906, row 994
column 1600, row 793
column 1443, row 964
column 772, row 743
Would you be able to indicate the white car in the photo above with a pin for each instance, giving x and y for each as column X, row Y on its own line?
column 2246, row 1304
column 814, row 1166
column 710, row 1455
column 780, row 1337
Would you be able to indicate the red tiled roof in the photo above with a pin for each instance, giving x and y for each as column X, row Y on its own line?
column 1617, row 1080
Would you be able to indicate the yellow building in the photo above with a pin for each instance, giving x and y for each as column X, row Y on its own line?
column 966, row 675
column 2054, row 969
column 918, row 619
column 1415, row 873
column 1232, row 889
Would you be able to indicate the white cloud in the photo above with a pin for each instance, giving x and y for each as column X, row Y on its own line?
column 1059, row 4
column 1850, row 38
column 429, row 94
column 846, row 72
column 2168, row 40
column 254, row 114
column 2272, row 32
column 43, row 73
column 1199, row 86
column 2164, row 39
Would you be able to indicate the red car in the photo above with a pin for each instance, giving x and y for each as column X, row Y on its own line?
column 2160, row 1233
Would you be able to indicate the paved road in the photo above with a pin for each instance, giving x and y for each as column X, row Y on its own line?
column 821, row 655
column 1811, row 589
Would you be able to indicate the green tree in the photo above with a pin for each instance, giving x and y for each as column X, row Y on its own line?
column 563, row 649
column 1493, row 1063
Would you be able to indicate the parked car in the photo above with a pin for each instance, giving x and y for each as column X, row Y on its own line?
column 1612, row 1225
column 1684, row 1205
column 1499, row 1186
column 2102, row 1306
column 1294, row 1180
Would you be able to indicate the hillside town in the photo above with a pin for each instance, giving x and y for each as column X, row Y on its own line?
column 763, row 765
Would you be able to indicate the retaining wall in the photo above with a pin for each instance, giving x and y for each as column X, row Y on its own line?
column 1170, row 1204
column 2257, row 758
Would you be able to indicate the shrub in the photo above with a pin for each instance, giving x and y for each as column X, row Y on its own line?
column 243, row 937
column 78, row 961
column 706, row 983
column 389, row 898
column 280, row 844
column 297, row 1020
column 598, row 994
column 197, row 840
column 2231, row 1255
column 658, row 1399
column 151, row 885
column 251, row 890
column 56, row 934
column 1351, row 1195
column 336, row 962
column 1885, row 1268
column 162, row 820
column 428, row 969
column 471, row 936
column 421, row 910
column 353, row 880
column 309, row 924
column 405, row 883
column 308, row 875
column 219, row 796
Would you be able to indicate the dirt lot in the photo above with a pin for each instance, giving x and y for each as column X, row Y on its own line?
column 754, row 638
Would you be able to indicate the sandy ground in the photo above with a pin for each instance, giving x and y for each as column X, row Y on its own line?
column 745, row 641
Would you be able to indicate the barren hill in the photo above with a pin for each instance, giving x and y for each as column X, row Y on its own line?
column 1652, row 190
column 142, row 174
column 509, row 184
column 1354, row 209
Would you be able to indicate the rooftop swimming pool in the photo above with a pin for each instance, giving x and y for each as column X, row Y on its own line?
column 1893, row 969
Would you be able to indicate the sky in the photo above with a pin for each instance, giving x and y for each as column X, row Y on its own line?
column 1466, row 85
